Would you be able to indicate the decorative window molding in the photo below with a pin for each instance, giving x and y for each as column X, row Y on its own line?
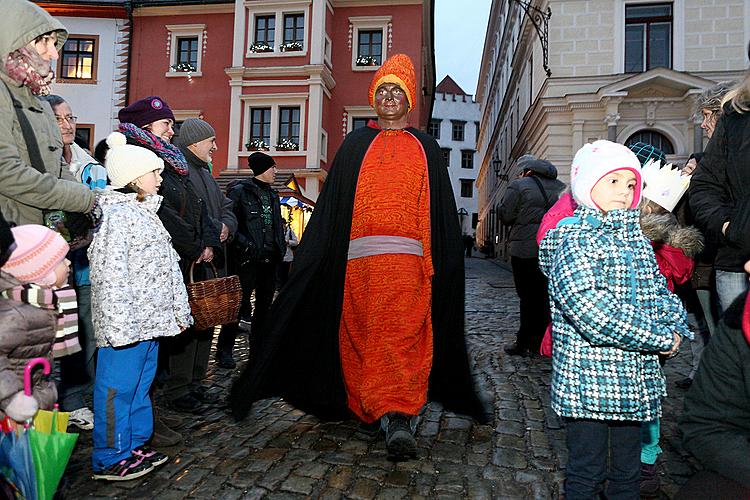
column 79, row 56
column 353, row 112
column 678, row 32
column 174, row 33
column 327, row 51
column 275, row 102
column 369, row 23
column 278, row 10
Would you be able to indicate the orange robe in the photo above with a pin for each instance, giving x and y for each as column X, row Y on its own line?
column 385, row 335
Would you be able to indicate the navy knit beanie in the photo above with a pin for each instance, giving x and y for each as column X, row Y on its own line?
column 144, row 111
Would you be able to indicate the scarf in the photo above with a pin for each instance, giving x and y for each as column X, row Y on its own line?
column 26, row 67
column 63, row 302
column 164, row 150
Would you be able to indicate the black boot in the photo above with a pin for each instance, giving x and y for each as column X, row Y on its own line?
column 399, row 437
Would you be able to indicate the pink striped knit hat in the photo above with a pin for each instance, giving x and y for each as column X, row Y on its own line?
column 38, row 252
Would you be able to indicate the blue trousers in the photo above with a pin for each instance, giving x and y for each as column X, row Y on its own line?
column 123, row 417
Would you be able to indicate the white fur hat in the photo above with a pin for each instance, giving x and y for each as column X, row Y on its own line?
column 594, row 161
column 125, row 162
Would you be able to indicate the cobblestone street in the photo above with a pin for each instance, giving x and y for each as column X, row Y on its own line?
column 279, row 452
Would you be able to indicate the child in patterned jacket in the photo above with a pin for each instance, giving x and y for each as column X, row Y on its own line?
column 138, row 295
column 612, row 314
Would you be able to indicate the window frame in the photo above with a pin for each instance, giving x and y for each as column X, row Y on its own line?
column 470, row 184
column 262, row 123
column 471, row 158
column 177, row 31
column 356, row 112
column 437, row 123
column 92, row 138
column 647, row 23
column 290, row 124
column 446, row 156
column 274, row 101
column 678, row 33
column 371, row 34
column 265, row 30
column 369, row 23
column 279, row 10
column 94, row 61
column 455, row 123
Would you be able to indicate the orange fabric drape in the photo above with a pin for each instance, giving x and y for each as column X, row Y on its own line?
column 385, row 334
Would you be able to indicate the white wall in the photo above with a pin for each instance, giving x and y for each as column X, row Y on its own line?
column 94, row 103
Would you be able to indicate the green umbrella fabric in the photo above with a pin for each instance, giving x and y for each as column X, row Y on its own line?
column 51, row 452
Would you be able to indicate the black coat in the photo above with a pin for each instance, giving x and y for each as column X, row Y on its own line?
column 249, row 240
column 299, row 355
column 720, row 190
column 716, row 421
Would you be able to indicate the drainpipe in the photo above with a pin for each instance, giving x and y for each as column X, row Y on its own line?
column 129, row 9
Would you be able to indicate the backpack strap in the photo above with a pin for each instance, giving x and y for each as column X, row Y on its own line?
column 28, row 134
column 547, row 204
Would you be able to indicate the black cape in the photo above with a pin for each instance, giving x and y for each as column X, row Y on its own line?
column 298, row 350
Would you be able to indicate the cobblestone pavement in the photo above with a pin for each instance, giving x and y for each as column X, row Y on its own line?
column 281, row 453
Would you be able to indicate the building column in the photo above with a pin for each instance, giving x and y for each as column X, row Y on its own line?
column 577, row 135
column 611, row 121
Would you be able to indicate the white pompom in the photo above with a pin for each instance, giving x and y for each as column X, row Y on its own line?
column 116, row 139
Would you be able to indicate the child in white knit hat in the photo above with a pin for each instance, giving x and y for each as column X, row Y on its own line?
column 611, row 316
column 30, row 317
column 138, row 295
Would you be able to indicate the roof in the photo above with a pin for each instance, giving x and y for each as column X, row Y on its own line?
column 286, row 183
column 449, row 86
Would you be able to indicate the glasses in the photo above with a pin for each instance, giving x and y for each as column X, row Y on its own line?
column 68, row 118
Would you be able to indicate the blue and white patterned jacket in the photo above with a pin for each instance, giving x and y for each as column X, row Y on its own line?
column 611, row 315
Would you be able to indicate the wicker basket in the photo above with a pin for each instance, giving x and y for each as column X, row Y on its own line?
column 215, row 301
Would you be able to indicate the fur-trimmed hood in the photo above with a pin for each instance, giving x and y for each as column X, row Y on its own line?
column 664, row 228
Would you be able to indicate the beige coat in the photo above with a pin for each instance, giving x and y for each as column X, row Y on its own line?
column 24, row 191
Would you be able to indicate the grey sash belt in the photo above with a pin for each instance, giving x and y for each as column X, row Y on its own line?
column 377, row 245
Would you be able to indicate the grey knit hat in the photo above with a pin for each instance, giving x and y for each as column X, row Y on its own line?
column 194, row 130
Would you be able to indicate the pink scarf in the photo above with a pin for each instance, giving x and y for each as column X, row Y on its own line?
column 26, row 67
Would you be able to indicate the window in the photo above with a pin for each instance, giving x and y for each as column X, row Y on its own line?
column 476, row 131
column 446, row 156
column 85, row 136
column 434, row 128
column 648, row 37
column 260, row 127
column 187, row 52
column 265, row 32
column 288, row 129
column 370, row 48
column 359, row 122
column 186, row 47
column 369, row 41
column 467, row 158
column 653, row 138
column 458, row 130
column 467, row 188
column 78, row 58
column 294, row 32
column 474, row 220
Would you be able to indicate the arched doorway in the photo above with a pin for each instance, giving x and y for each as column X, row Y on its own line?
column 654, row 138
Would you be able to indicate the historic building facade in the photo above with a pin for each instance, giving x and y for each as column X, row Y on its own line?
column 455, row 125
column 556, row 74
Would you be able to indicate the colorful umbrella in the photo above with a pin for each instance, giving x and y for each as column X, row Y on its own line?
column 51, row 446
column 16, row 462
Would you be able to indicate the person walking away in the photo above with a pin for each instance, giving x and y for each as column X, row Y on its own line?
column 197, row 141
column 524, row 204
column 384, row 238
column 30, row 315
column 77, row 371
column 32, row 179
column 258, row 247
column 138, row 296
column 609, row 323
column 720, row 194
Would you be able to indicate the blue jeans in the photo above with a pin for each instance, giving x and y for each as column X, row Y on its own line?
column 123, row 416
column 73, row 396
column 590, row 444
column 729, row 286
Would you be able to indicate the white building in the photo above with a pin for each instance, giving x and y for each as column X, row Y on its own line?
column 92, row 70
column 557, row 74
column 455, row 125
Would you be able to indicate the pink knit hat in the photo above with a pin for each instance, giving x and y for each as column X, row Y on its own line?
column 38, row 252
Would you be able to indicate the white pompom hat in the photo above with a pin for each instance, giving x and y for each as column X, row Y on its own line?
column 125, row 162
column 597, row 159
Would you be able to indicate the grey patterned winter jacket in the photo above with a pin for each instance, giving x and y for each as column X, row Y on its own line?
column 137, row 291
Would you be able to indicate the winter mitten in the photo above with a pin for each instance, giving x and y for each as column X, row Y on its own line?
column 21, row 407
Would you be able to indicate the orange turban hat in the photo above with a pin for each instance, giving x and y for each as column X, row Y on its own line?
column 399, row 70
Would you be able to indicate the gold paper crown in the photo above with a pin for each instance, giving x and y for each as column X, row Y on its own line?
column 664, row 185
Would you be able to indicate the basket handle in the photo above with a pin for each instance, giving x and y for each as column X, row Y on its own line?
column 192, row 265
